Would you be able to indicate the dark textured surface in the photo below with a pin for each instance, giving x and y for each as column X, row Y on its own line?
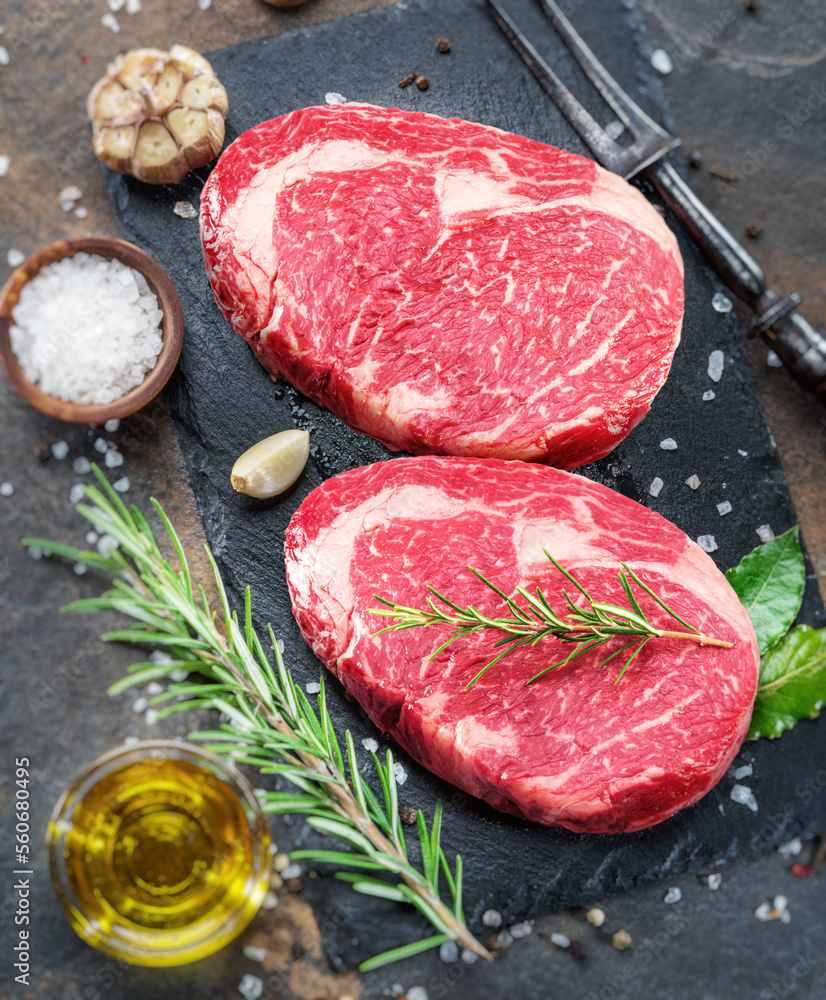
column 223, row 402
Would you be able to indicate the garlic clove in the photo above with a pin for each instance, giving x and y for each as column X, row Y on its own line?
column 166, row 90
column 273, row 465
column 155, row 146
column 115, row 146
column 204, row 92
column 114, row 102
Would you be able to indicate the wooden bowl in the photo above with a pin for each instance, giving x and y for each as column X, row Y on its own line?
column 172, row 329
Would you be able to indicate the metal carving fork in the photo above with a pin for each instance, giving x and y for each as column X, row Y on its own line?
column 799, row 346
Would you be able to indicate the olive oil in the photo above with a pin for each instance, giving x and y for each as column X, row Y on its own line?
column 161, row 857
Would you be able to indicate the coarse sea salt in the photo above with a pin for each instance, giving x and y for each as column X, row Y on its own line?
column 707, row 543
column 716, row 360
column 86, row 330
column 4, row 165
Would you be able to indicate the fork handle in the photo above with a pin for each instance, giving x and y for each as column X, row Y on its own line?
column 800, row 347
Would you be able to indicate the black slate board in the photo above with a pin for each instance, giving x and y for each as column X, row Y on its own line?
column 223, row 402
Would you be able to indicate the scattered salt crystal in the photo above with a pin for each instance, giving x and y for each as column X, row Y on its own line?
column 655, row 487
column 418, row 992
column 724, row 508
column 60, row 450
column 113, row 459
column 121, row 485
column 661, row 61
column 34, row 552
column 112, row 425
column 91, row 537
column 333, row 98
column 77, row 493
column 114, row 5
column 84, row 301
column 744, row 454
column 82, row 465
column 70, row 193
column 270, row 901
column 4, row 165
column 521, row 930
column 6, row 489
column 746, row 771
column 721, row 303
column 291, row 871
column 715, row 365
column 780, row 903
column 791, row 848
column 101, row 445
column 80, row 568
column 401, row 774
column 614, row 129
column 504, row 938
column 668, row 444
column 693, row 482
column 160, row 658
column 785, row 917
column 178, row 675
column 709, row 394
column 133, row 6
column 151, row 716
column 370, row 744
column 185, row 210
column 491, row 918
column 448, row 951
column 673, row 895
column 106, row 545
column 15, row 257
column 255, row 954
column 140, row 704
column 743, row 795
column 67, row 206
column 715, row 880
column 279, row 645
column 4, row 56
column 153, row 688
column 773, row 361
column 81, row 213
column 765, row 533
column 764, row 912
column 250, row 987
column 313, row 687
column 204, row 4
column 707, row 543
column 561, row 940
column 468, row 957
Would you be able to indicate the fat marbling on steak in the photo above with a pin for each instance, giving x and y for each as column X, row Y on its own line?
column 574, row 749
column 443, row 286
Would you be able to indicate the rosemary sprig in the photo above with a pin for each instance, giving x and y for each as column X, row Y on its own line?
column 585, row 627
column 274, row 727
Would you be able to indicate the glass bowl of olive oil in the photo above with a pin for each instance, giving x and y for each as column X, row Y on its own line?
column 159, row 853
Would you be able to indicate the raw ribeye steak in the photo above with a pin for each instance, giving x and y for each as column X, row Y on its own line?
column 445, row 287
column 574, row 749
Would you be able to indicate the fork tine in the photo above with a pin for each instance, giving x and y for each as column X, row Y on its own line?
column 629, row 112
column 589, row 130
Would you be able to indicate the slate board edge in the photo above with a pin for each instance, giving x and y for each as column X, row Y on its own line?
column 192, row 444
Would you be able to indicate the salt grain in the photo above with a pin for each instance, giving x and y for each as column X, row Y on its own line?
column 334, row 98
column 251, row 987
column 724, row 508
column 121, row 485
column 655, row 487
column 468, row 957
column 70, row 193
column 4, row 56
column 133, row 6
column 5, row 161
column 791, row 848
column 204, row 4
column 151, row 716
column 668, row 444
column 707, row 543
column 765, row 533
column 111, row 22
column 448, row 951
column 661, row 61
column 68, row 311
column 6, row 489
column 34, row 552
column 140, row 705
column 313, row 687
column 673, row 896
column 112, row 425
column 773, row 361
column 185, row 210
column 709, row 394
column 91, row 537
column 15, row 257
column 715, row 880
column 716, row 361
column 521, row 930
column 491, row 918
column 106, row 545
column 743, row 795
column 77, row 493
column 746, row 771
column 721, row 303
column 291, row 871
column 505, row 938
column 561, row 940
column 115, row 5
column 401, row 774
column 764, row 912
column 417, row 993
column 81, row 213
column 693, row 482
column 153, row 688
column 255, row 954
column 743, row 454
column 270, row 901
column 113, row 459
column 80, row 568
column 60, row 450
column 82, row 465
column 370, row 745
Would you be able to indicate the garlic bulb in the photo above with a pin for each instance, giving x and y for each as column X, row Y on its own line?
column 157, row 115
column 272, row 465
